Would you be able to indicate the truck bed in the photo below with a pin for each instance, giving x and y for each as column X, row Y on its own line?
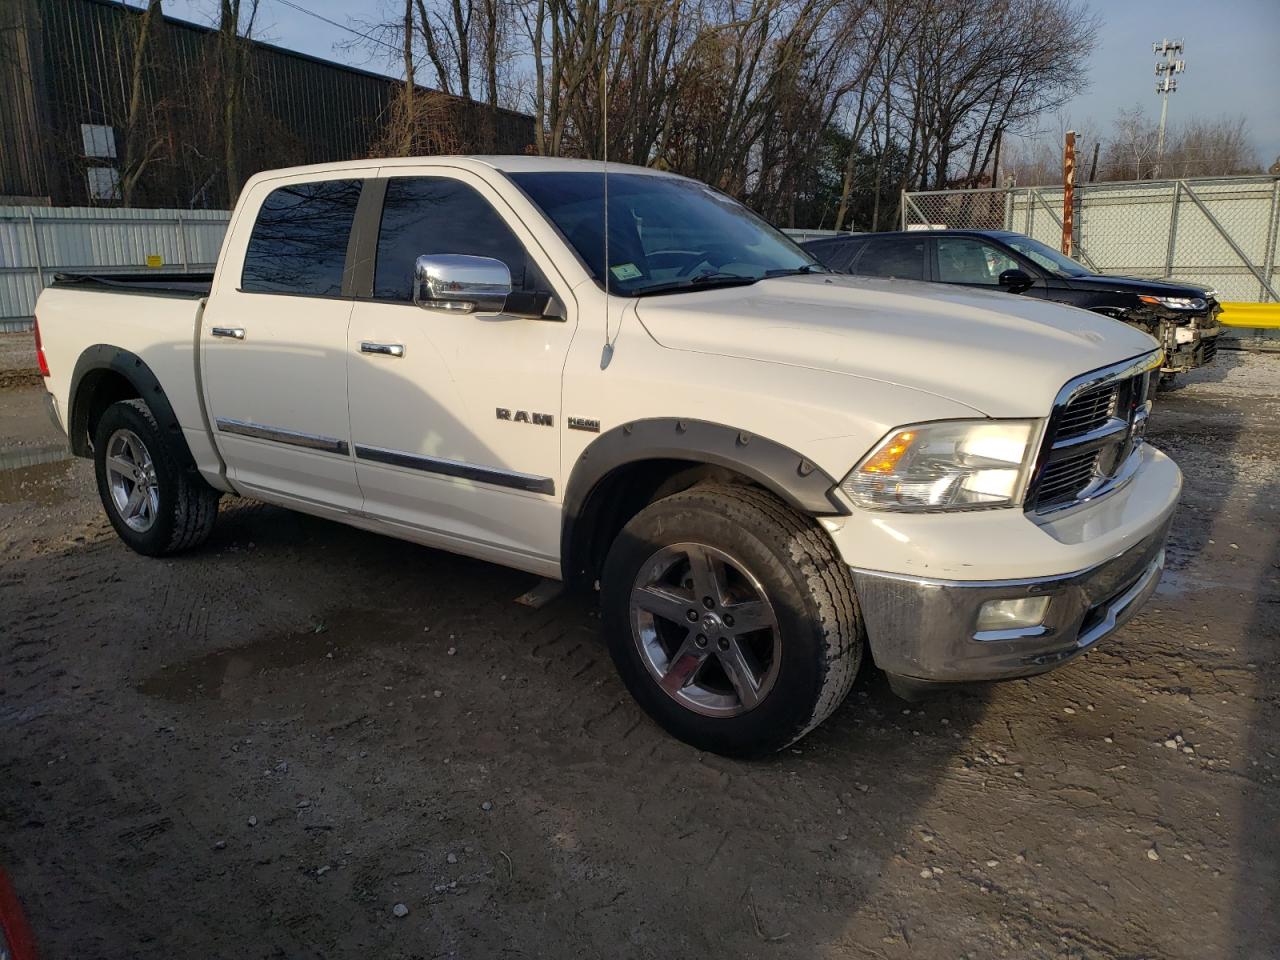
column 185, row 285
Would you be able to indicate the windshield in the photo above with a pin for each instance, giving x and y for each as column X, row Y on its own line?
column 665, row 233
column 1056, row 263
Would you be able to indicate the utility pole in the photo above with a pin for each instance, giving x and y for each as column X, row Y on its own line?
column 1167, row 64
column 1068, row 191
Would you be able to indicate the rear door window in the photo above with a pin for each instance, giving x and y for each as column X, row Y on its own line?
column 299, row 242
column 898, row 257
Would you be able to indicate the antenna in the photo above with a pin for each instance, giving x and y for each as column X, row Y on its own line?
column 607, row 354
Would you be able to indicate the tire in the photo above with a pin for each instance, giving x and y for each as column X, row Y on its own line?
column 156, row 504
column 802, row 645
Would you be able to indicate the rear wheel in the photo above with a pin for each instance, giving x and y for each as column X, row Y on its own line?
column 731, row 619
column 156, row 505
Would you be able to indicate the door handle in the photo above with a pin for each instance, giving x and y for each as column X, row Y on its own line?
column 235, row 333
column 386, row 349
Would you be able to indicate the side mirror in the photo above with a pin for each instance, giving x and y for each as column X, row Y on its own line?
column 1015, row 280
column 458, row 284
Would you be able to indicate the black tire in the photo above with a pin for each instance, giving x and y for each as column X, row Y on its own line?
column 819, row 630
column 185, row 506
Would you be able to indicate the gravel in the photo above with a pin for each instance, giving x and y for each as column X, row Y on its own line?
column 142, row 700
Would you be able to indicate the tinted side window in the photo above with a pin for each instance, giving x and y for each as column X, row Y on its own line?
column 901, row 257
column 299, row 242
column 965, row 260
column 431, row 215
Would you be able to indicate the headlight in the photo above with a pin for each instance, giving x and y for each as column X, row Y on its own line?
column 949, row 465
column 1175, row 303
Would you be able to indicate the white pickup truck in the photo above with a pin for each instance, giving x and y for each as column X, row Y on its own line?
column 766, row 469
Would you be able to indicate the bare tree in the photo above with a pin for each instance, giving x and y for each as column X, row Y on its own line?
column 235, row 24
column 1210, row 147
column 763, row 98
column 1131, row 151
column 143, row 140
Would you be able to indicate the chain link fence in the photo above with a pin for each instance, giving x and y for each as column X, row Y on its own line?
column 1218, row 232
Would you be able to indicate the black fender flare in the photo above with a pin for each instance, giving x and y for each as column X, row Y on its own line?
column 798, row 481
column 103, row 357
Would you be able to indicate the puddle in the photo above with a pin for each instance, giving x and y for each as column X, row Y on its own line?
column 36, row 474
column 212, row 676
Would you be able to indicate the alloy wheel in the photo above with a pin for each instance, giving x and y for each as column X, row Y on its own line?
column 705, row 629
column 131, row 478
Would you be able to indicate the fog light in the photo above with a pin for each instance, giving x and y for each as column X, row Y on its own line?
column 1012, row 614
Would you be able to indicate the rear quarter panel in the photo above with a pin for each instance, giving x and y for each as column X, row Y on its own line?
column 161, row 330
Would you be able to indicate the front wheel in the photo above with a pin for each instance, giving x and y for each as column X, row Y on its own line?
column 156, row 505
column 731, row 619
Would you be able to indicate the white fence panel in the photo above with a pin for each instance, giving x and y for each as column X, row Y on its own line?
column 38, row 242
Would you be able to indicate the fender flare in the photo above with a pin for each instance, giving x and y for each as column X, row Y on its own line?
column 794, row 478
column 103, row 357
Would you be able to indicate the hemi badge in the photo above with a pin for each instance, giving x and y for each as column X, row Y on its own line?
column 582, row 423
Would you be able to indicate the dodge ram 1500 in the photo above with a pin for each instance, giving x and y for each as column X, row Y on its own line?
column 767, row 470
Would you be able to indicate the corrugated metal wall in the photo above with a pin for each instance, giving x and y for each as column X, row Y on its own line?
column 71, row 64
column 37, row 242
column 22, row 160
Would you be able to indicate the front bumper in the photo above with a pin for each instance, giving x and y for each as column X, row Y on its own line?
column 924, row 631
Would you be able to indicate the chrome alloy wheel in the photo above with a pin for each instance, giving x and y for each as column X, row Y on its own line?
column 705, row 629
column 131, row 478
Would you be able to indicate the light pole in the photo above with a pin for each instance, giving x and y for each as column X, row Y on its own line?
column 1167, row 64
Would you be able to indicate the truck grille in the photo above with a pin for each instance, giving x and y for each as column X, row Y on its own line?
column 1064, row 480
column 1097, row 423
column 1088, row 411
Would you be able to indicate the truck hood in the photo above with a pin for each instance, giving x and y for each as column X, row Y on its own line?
column 1002, row 355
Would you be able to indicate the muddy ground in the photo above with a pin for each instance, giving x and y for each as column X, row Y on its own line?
column 259, row 749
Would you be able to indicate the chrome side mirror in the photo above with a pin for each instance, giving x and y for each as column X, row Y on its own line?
column 458, row 284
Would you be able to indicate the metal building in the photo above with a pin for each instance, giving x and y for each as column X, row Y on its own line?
column 67, row 72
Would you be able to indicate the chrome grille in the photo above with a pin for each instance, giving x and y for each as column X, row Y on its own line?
column 1088, row 411
column 1097, row 423
column 1064, row 480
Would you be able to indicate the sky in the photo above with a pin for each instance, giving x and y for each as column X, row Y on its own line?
column 1233, row 66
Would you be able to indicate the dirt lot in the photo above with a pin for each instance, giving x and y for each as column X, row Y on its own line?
column 258, row 750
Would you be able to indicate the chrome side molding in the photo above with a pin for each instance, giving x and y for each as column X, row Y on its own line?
column 458, row 468
column 293, row 438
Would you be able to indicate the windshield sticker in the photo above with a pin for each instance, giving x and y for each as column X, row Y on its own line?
column 626, row 271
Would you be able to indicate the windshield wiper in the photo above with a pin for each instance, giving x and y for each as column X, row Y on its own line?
column 806, row 269
column 704, row 281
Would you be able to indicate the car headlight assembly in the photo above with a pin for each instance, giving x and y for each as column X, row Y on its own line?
column 947, row 465
column 1175, row 303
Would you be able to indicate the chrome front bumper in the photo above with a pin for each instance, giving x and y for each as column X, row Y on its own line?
column 924, row 632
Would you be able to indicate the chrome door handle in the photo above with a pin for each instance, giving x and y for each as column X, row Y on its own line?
column 235, row 333
column 386, row 349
